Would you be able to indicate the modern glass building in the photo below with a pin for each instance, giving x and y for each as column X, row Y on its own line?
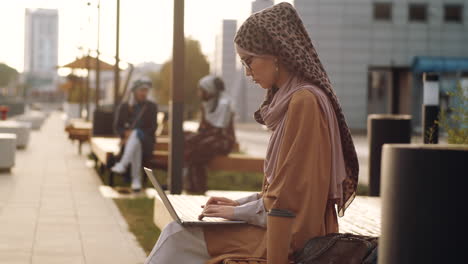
column 374, row 50
column 41, row 47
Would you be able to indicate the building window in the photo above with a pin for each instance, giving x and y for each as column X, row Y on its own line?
column 417, row 12
column 453, row 13
column 383, row 11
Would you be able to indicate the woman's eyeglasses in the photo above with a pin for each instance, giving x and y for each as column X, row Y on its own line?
column 246, row 62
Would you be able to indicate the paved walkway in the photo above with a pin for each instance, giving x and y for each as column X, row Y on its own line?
column 51, row 210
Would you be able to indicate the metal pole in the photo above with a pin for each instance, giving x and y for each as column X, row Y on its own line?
column 82, row 84
column 98, row 66
column 116, row 67
column 87, row 85
column 430, row 108
column 176, row 110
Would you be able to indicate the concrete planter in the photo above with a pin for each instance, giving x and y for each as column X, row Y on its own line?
column 20, row 129
column 35, row 118
column 423, row 197
column 7, row 150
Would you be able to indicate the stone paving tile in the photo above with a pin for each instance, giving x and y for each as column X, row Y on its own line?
column 16, row 242
column 51, row 209
column 54, row 259
column 362, row 217
column 15, row 257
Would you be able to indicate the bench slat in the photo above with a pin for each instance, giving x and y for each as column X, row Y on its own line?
column 162, row 143
column 103, row 148
column 232, row 162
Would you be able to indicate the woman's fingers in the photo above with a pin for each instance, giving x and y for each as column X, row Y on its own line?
column 219, row 201
column 213, row 200
column 226, row 203
column 218, row 211
column 211, row 208
column 221, row 215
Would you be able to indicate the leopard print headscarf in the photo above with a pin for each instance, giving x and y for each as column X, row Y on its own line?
column 279, row 31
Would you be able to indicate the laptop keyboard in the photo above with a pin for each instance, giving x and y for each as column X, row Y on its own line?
column 189, row 209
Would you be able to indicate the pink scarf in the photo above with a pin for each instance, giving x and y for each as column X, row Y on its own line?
column 274, row 115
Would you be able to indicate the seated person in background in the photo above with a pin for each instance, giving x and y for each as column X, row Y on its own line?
column 215, row 135
column 136, row 125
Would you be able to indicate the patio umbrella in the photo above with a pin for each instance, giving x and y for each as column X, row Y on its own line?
column 82, row 63
column 89, row 63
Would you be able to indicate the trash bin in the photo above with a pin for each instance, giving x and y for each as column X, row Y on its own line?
column 423, row 199
column 382, row 129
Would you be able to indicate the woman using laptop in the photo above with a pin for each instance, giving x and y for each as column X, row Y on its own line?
column 311, row 167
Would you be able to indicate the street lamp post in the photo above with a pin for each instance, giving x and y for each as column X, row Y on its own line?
column 88, row 70
column 430, row 108
column 116, row 67
column 176, row 153
column 98, row 66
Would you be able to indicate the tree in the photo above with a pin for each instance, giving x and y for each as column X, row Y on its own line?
column 196, row 67
column 7, row 74
column 455, row 120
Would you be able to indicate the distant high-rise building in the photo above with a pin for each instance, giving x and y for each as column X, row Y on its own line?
column 225, row 55
column 41, row 44
column 259, row 5
column 248, row 95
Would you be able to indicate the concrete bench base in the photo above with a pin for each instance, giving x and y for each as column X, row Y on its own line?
column 20, row 129
column 7, row 150
column 362, row 217
column 35, row 118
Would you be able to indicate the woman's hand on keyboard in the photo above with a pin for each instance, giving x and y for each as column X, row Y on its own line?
column 223, row 211
column 220, row 201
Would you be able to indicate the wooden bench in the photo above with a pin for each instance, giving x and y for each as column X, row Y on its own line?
column 106, row 148
column 232, row 162
column 162, row 143
column 362, row 217
column 79, row 130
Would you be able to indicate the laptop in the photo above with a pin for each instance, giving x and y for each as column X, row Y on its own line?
column 186, row 211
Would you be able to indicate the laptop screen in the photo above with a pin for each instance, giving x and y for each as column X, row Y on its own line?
column 162, row 195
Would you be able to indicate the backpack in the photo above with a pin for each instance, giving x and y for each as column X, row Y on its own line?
column 339, row 248
column 335, row 248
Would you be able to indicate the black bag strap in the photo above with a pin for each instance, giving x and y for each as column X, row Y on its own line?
column 140, row 114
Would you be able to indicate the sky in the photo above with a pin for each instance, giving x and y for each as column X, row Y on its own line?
column 145, row 27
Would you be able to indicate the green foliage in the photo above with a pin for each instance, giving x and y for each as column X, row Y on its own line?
column 234, row 181
column 430, row 133
column 138, row 213
column 455, row 120
column 196, row 67
column 362, row 190
column 7, row 74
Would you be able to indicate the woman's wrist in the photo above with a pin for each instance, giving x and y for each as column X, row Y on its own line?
column 252, row 212
column 250, row 198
